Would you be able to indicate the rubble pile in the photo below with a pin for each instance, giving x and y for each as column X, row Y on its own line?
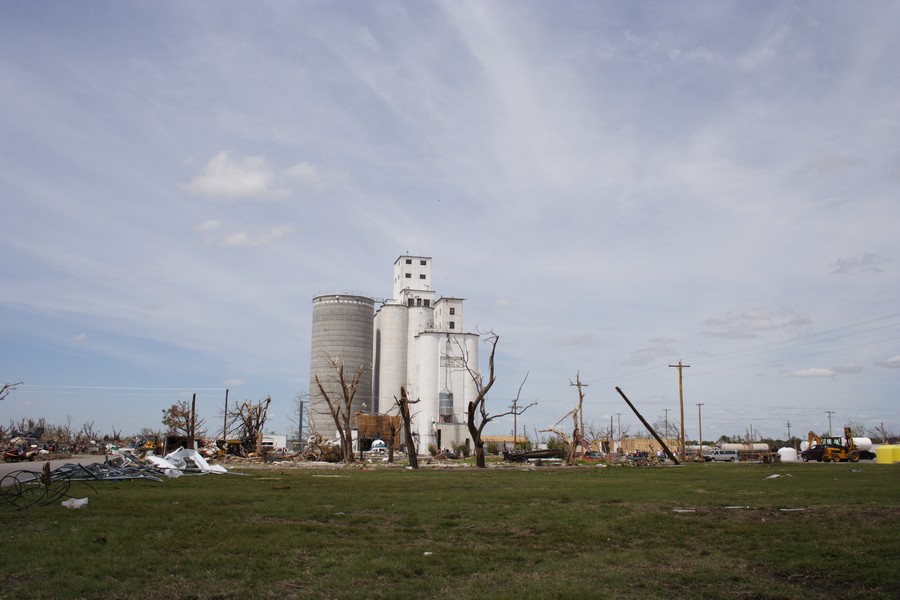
column 24, row 488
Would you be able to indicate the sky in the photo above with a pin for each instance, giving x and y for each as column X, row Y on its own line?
column 613, row 188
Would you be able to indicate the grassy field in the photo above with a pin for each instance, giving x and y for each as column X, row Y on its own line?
column 698, row 531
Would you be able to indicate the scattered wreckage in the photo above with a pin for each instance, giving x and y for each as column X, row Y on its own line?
column 24, row 488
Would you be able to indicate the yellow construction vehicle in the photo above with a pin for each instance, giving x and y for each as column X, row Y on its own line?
column 831, row 449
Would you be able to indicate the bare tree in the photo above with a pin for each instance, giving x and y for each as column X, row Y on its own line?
column 668, row 430
column 577, row 439
column 392, row 438
column 88, row 433
column 250, row 418
column 7, row 389
column 881, row 432
column 181, row 420
column 857, row 428
column 341, row 406
column 403, row 404
column 570, row 442
column 477, row 416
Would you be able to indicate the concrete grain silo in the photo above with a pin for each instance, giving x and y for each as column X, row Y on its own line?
column 342, row 333
column 391, row 326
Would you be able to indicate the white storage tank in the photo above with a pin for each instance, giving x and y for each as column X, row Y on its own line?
column 863, row 444
column 745, row 447
column 787, row 454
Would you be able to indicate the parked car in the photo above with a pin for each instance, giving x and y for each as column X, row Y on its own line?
column 722, row 456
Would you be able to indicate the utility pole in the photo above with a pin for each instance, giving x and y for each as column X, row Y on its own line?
column 789, row 434
column 830, row 412
column 619, row 421
column 225, row 424
column 579, row 385
column 612, row 433
column 515, row 423
column 193, row 421
column 680, row 367
column 700, row 426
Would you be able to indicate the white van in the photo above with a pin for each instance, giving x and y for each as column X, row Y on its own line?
column 722, row 455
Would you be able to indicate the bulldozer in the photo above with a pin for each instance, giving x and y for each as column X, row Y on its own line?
column 832, row 449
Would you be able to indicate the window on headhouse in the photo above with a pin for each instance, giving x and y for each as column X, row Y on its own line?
column 422, row 262
column 418, row 302
column 410, row 302
column 452, row 325
column 409, row 261
column 427, row 302
column 409, row 275
column 422, row 276
column 452, row 311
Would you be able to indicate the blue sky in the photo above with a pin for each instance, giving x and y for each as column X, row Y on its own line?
column 613, row 187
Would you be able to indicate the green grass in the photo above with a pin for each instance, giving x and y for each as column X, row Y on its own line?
column 552, row 532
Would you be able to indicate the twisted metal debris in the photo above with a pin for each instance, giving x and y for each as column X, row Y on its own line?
column 24, row 488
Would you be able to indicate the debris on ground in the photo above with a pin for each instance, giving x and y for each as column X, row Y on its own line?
column 24, row 488
column 75, row 502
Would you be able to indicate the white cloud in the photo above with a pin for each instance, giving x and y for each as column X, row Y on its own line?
column 891, row 363
column 308, row 175
column 233, row 382
column 80, row 337
column 209, row 225
column 224, row 177
column 244, row 238
column 813, row 372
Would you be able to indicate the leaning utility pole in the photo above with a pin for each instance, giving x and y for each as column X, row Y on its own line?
column 680, row 366
column 662, row 444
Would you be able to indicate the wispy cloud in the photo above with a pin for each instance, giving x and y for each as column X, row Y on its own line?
column 751, row 322
column 867, row 262
column 813, row 372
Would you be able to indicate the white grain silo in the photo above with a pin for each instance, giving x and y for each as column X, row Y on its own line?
column 342, row 334
column 391, row 324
